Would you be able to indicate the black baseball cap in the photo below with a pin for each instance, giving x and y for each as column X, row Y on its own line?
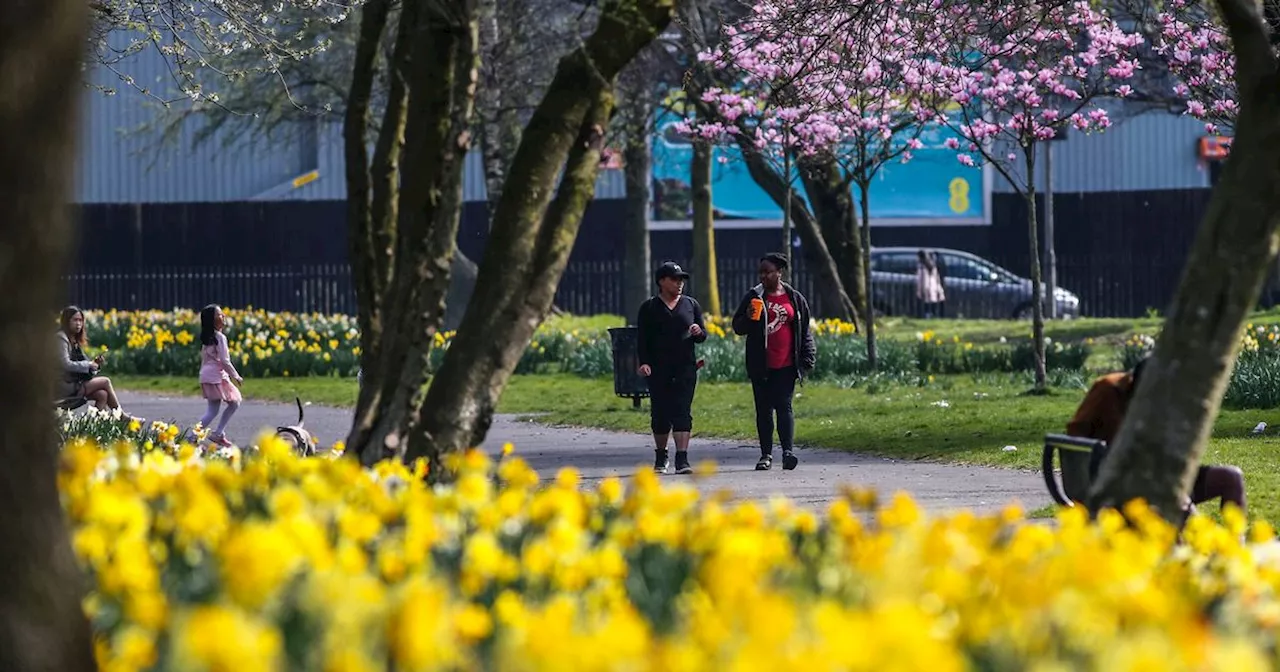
column 670, row 269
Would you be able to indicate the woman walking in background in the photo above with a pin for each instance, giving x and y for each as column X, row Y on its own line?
column 929, row 288
column 774, row 317
column 217, row 373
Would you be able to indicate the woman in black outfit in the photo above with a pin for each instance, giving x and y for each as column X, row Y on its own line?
column 774, row 317
column 669, row 325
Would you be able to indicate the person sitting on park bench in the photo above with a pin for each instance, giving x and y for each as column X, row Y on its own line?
column 80, row 379
column 1099, row 417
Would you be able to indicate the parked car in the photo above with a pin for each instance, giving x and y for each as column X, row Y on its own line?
column 975, row 287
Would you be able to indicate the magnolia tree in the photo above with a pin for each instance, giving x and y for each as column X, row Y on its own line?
column 1197, row 51
column 1016, row 75
column 835, row 79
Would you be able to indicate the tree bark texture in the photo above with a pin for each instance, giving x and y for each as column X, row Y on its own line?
column 533, row 233
column 441, row 84
column 1037, row 285
column 864, row 266
column 497, row 112
column 835, row 302
column 364, row 258
column 42, row 627
column 637, row 171
column 1158, row 449
column 834, row 210
column 706, row 289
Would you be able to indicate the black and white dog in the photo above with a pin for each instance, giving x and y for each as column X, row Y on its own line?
column 297, row 436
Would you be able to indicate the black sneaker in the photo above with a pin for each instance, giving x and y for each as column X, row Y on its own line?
column 789, row 460
column 682, row 462
column 661, row 461
column 765, row 463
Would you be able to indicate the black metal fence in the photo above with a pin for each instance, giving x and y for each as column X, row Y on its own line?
column 319, row 288
column 1107, row 287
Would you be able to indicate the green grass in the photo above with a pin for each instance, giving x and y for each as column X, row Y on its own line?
column 903, row 422
column 322, row 390
column 585, row 323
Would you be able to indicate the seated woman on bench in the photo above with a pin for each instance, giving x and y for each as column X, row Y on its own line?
column 1102, row 411
column 79, row 374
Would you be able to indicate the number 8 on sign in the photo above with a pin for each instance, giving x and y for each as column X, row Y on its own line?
column 959, row 189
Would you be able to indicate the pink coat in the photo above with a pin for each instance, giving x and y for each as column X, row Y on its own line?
column 215, row 362
column 929, row 285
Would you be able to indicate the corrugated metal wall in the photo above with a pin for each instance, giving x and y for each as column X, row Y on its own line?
column 139, row 168
column 115, row 167
column 1153, row 150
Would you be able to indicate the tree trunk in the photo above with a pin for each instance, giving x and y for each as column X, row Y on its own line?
column 833, row 207
column 533, row 234
column 637, row 171
column 366, row 258
column 442, row 87
column 869, row 312
column 1158, row 449
column 42, row 627
column 836, row 303
column 706, row 289
column 1037, row 304
column 499, row 123
column 489, row 104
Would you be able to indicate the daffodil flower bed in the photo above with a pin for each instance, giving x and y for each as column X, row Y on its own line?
column 283, row 344
column 261, row 343
column 1255, row 380
column 266, row 561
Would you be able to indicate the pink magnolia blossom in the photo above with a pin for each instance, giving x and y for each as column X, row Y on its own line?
column 1198, row 52
column 836, row 78
column 1020, row 71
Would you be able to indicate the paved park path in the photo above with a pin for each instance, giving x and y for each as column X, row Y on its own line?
column 598, row 454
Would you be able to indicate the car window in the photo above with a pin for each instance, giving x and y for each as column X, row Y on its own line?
column 963, row 268
column 894, row 262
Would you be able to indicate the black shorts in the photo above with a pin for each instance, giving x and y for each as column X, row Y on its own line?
column 671, row 401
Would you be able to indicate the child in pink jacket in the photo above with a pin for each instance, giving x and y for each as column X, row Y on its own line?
column 217, row 372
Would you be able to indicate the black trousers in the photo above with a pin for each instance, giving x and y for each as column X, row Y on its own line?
column 671, row 400
column 773, row 395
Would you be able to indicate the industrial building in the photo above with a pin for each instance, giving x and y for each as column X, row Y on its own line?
column 166, row 222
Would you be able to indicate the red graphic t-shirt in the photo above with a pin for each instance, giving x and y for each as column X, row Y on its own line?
column 780, row 316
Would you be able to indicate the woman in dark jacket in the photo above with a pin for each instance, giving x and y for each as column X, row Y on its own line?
column 774, row 317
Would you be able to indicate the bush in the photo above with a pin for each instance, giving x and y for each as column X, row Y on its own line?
column 273, row 562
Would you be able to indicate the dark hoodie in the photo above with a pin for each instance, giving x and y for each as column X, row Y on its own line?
column 806, row 351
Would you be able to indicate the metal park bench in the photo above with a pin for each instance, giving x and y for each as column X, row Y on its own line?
column 70, row 403
column 1080, row 458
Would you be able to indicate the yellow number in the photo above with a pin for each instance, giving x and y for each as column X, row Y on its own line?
column 959, row 189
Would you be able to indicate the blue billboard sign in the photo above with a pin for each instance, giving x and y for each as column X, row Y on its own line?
column 931, row 189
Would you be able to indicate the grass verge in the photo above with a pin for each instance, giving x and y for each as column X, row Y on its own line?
column 324, row 390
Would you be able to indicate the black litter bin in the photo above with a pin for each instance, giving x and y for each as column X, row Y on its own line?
column 627, row 381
